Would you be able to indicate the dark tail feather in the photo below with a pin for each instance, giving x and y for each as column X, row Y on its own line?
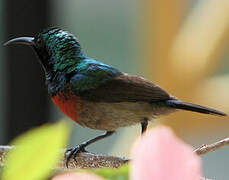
column 193, row 107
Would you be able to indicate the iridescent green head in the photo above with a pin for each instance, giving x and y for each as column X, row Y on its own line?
column 57, row 49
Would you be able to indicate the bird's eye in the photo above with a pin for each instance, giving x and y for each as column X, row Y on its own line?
column 39, row 40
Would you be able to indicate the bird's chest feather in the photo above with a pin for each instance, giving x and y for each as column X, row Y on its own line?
column 69, row 104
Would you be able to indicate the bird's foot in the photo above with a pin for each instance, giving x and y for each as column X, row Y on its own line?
column 73, row 152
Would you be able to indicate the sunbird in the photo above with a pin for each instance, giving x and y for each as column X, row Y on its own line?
column 96, row 95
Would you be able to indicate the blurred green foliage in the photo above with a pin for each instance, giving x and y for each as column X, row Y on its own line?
column 121, row 173
column 36, row 152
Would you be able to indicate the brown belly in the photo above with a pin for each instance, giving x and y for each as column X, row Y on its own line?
column 111, row 116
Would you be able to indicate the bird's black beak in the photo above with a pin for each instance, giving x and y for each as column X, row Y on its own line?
column 21, row 40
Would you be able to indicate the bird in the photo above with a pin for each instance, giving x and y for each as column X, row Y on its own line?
column 97, row 95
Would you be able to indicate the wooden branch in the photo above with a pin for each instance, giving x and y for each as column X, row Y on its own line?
column 212, row 147
column 90, row 160
column 3, row 152
column 84, row 160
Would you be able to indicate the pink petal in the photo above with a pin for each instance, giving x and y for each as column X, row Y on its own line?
column 160, row 155
column 76, row 176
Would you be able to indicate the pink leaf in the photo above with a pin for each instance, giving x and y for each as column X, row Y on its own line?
column 160, row 155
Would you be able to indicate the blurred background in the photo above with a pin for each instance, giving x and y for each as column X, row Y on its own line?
column 182, row 45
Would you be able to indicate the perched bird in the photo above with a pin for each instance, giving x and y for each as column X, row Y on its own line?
column 96, row 95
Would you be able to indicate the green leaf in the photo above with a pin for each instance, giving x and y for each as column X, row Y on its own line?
column 36, row 152
column 121, row 173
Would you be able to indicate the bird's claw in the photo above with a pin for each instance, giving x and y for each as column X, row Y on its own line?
column 74, row 151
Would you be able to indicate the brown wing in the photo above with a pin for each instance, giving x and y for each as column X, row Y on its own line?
column 126, row 88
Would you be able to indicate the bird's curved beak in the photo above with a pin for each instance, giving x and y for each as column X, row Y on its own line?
column 21, row 40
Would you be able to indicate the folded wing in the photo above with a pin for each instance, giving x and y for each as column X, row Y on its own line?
column 126, row 88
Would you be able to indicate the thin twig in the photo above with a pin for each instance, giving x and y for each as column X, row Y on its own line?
column 212, row 147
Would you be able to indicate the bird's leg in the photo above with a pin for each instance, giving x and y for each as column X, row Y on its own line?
column 144, row 125
column 81, row 148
